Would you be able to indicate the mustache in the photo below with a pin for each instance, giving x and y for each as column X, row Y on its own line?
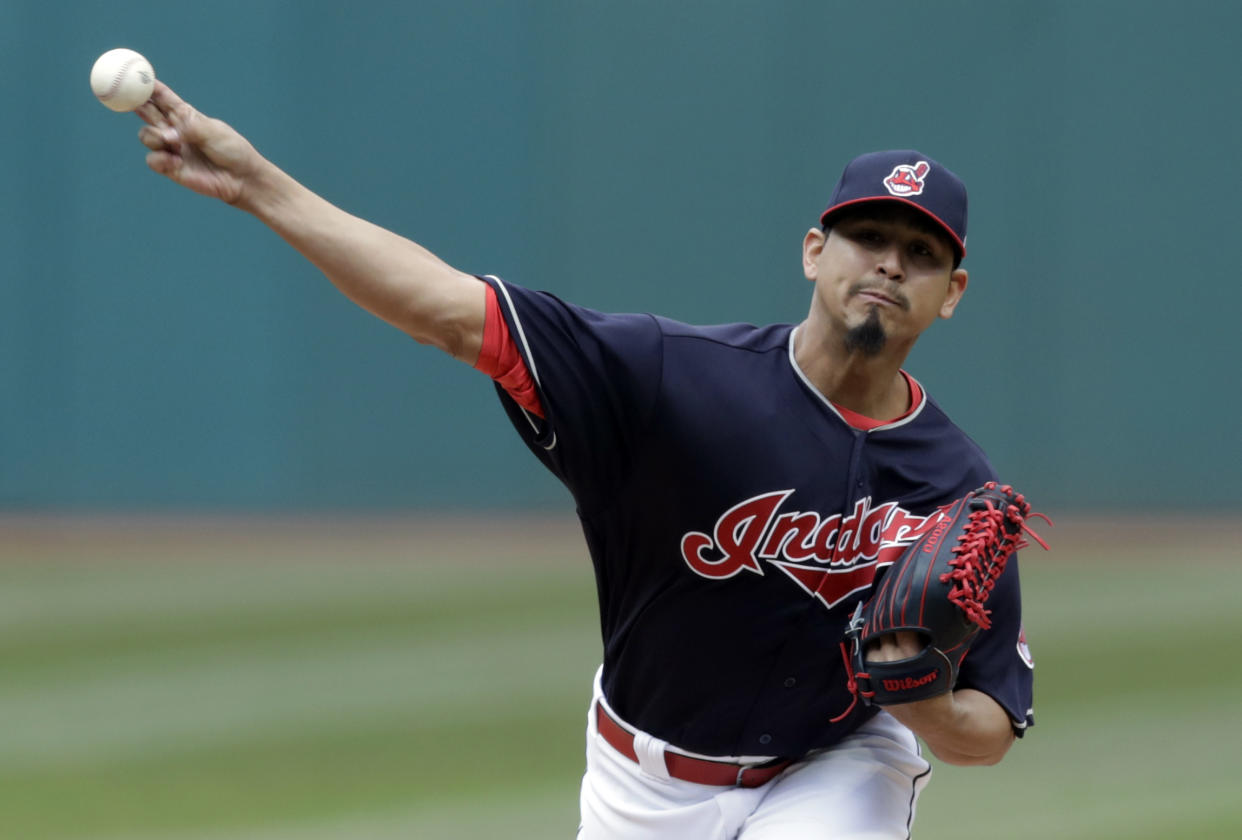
column 880, row 289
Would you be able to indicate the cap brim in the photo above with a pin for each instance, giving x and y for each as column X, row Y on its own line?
column 957, row 242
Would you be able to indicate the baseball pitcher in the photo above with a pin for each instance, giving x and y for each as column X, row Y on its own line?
column 804, row 568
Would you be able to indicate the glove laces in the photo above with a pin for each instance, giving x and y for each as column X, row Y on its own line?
column 982, row 552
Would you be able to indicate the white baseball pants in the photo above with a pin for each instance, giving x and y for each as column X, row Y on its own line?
column 864, row 788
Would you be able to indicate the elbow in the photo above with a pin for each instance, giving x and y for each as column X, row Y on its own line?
column 967, row 759
column 451, row 320
column 439, row 336
column 458, row 338
column 988, row 756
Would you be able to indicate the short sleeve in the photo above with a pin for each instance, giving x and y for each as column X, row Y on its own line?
column 999, row 661
column 597, row 376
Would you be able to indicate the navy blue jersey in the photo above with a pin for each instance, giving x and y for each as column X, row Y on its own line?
column 735, row 519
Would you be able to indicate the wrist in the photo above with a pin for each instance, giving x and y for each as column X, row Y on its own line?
column 939, row 713
column 266, row 188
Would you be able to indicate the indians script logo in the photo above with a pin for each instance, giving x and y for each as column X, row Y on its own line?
column 830, row 557
column 907, row 180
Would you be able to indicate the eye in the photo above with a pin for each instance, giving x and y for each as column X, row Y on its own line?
column 923, row 251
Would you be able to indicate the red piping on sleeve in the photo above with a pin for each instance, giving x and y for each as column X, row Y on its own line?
column 501, row 360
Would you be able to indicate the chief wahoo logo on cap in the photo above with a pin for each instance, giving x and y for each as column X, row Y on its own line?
column 907, row 180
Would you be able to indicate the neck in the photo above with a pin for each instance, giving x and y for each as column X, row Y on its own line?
column 870, row 385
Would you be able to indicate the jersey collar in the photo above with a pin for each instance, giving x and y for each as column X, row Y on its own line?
column 919, row 391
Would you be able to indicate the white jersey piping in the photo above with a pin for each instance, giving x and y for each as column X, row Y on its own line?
column 526, row 354
column 914, row 412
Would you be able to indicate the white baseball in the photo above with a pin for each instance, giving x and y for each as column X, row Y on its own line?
column 122, row 79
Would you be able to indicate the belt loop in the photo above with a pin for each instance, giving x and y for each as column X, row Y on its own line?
column 650, row 752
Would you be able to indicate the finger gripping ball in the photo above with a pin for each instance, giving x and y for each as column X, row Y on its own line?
column 122, row 79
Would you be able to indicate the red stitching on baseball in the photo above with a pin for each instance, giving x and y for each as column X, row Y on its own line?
column 116, row 79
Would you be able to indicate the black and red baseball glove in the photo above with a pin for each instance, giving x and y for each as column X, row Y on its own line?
column 937, row 589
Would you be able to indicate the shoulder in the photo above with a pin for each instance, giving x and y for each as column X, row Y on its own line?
column 739, row 336
column 513, row 296
column 955, row 441
column 934, row 414
column 745, row 337
column 933, row 454
column 543, row 319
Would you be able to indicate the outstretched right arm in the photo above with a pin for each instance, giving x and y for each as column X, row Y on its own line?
column 386, row 274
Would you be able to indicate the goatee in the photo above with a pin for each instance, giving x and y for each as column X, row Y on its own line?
column 868, row 337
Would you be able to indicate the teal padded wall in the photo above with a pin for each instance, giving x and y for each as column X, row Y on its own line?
column 160, row 351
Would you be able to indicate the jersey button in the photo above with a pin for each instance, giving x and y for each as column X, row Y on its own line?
column 765, row 738
column 790, row 682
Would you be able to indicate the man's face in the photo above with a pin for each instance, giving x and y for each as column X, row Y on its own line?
column 883, row 274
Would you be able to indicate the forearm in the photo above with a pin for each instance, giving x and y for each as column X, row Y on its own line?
column 962, row 727
column 390, row 276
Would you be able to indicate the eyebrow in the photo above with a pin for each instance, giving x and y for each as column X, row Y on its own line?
column 894, row 216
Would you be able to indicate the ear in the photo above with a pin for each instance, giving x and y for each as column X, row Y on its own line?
column 812, row 246
column 957, row 287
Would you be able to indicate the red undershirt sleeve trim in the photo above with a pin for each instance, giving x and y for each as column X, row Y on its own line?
column 500, row 359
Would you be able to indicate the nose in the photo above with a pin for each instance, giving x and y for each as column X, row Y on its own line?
column 888, row 263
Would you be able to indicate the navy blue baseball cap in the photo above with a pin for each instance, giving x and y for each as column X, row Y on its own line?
column 911, row 178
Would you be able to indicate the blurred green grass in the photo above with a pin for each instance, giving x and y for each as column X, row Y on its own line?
column 322, row 680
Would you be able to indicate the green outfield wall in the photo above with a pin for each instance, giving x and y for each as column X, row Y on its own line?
column 161, row 351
